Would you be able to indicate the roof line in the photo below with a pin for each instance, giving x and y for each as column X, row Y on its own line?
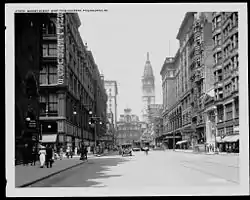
column 187, row 15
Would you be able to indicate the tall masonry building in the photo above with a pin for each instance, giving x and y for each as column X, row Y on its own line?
column 148, row 89
column 112, row 92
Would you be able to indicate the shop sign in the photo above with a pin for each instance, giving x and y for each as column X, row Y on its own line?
column 32, row 124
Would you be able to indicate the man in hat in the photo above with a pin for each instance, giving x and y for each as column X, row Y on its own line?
column 49, row 155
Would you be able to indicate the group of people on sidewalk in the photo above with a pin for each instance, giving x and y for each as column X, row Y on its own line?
column 45, row 153
column 46, row 156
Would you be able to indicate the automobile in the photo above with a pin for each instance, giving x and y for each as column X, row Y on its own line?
column 127, row 149
column 136, row 149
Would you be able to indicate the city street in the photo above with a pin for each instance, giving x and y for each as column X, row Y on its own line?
column 158, row 169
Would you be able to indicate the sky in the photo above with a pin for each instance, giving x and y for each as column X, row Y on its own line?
column 120, row 39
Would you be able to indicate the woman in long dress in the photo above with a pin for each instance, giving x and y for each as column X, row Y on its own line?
column 42, row 154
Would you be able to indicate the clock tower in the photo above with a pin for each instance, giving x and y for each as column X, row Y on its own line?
column 148, row 89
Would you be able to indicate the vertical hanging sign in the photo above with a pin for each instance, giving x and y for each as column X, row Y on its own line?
column 60, row 48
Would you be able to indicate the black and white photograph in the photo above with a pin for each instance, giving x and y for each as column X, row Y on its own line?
column 144, row 99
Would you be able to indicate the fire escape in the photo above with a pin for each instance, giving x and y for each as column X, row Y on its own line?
column 197, row 74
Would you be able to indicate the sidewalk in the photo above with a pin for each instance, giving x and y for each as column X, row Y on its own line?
column 110, row 153
column 26, row 175
column 205, row 153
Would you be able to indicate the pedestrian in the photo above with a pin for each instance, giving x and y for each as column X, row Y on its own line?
column 42, row 154
column 25, row 155
column 75, row 150
column 147, row 149
column 67, row 152
column 71, row 152
column 86, row 153
column 61, row 153
column 49, row 155
column 33, row 154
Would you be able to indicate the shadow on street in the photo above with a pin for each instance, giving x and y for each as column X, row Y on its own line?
column 85, row 175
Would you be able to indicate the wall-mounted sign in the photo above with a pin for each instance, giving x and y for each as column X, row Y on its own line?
column 60, row 48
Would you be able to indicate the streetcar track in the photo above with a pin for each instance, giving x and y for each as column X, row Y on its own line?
column 205, row 172
column 221, row 164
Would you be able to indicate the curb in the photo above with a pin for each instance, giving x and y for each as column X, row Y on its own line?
column 203, row 153
column 52, row 174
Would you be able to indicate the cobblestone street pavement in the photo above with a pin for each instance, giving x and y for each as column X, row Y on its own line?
column 158, row 169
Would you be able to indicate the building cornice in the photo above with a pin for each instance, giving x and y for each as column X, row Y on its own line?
column 187, row 15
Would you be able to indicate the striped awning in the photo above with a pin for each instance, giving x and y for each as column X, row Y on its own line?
column 168, row 137
column 231, row 138
column 181, row 142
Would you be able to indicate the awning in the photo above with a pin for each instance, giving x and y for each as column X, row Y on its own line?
column 181, row 142
column 50, row 138
column 167, row 137
column 219, row 140
column 231, row 138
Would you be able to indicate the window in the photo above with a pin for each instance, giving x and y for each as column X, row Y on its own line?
column 229, row 111
column 51, row 102
column 220, row 115
column 220, row 132
column 218, row 21
column 48, row 74
column 236, row 103
column 43, row 75
column 50, row 49
column 219, row 57
column 229, row 130
column 235, row 62
column 52, row 75
column 42, row 105
column 235, row 40
column 219, row 74
column 51, row 28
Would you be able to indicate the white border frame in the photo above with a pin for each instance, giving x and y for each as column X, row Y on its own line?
column 11, row 191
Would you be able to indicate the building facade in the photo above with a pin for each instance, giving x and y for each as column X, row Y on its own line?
column 100, row 109
column 70, row 85
column 185, row 80
column 128, row 128
column 148, row 88
column 226, row 85
column 171, row 113
column 154, row 118
column 28, row 41
column 201, row 67
column 112, row 92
